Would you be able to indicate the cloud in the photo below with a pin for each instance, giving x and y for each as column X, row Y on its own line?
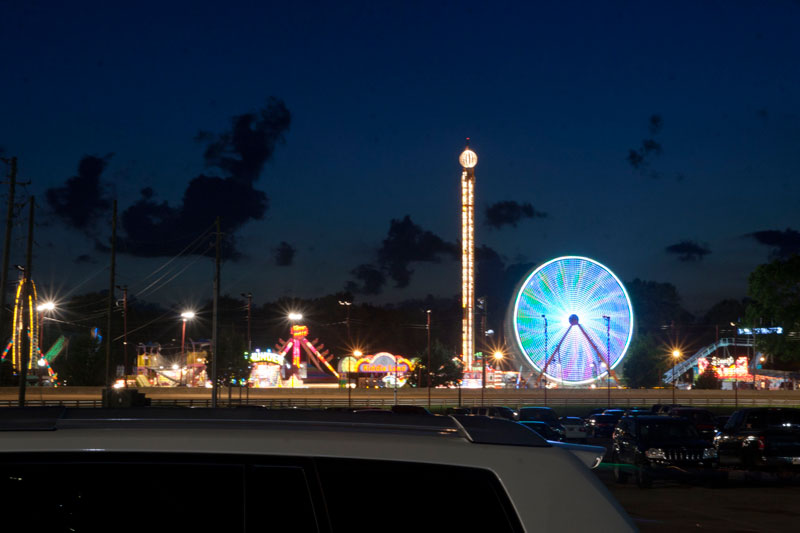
column 784, row 243
column 85, row 259
column 405, row 243
column 641, row 158
column 155, row 228
column 656, row 123
column 83, row 199
column 688, row 251
column 371, row 280
column 284, row 254
column 510, row 213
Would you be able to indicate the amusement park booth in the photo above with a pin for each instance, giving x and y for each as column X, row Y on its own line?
column 382, row 370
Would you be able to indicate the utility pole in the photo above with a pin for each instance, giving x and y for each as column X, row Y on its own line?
column 429, row 358
column 124, row 289
column 25, row 345
column 214, row 318
column 111, row 286
column 249, row 297
column 12, row 187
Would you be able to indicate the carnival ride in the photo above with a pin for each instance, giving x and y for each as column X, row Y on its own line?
column 291, row 369
column 582, row 306
column 27, row 322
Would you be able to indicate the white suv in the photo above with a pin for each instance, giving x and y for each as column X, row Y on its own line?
column 292, row 470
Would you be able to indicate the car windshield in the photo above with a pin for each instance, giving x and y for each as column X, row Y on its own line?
column 571, row 420
column 605, row 418
column 667, row 430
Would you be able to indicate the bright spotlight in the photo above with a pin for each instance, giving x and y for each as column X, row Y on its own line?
column 46, row 306
column 295, row 316
column 187, row 315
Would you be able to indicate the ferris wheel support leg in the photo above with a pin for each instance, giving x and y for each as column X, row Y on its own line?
column 557, row 350
column 599, row 354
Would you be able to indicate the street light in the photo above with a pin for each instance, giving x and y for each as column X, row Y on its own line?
column 676, row 354
column 186, row 315
column 43, row 308
column 294, row 317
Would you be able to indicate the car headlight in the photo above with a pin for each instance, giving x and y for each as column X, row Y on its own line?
column 710, row 453
column 655, row 453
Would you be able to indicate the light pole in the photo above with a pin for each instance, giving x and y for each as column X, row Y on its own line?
column 347, row 304
column 356, row 353
column 295, row 317
column 428, row 327
column 249, row 297
column 544, row 378
column 498, row 358
column 676, row 354
column 186, row 315
column 608, row 357
column 43, row 308
column 124, row 289
column 486, row 333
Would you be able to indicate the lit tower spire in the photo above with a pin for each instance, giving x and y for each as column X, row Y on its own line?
column 468, row 160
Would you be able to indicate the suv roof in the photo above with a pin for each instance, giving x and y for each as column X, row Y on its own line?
column 465, row 441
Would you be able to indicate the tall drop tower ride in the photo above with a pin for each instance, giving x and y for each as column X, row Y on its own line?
column 468, row 160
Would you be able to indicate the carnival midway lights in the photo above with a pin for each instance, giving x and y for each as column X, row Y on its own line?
column 468, row 160
column 572, row 321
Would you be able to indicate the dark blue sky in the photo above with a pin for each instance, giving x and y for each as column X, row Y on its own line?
column 554, row 96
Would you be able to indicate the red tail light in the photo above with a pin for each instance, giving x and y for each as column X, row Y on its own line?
column 705, row 426
column 762, row 443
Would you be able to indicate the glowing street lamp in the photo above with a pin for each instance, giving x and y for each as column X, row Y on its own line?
column 42, row 308
column 676, row 354
column 186, row 315
column 294, row 317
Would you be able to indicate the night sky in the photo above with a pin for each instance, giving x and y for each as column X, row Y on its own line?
column 660, row 139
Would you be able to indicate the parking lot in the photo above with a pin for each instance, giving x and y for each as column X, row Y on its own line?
column 747, row 501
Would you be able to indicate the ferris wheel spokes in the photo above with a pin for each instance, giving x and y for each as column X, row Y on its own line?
column 557, row 350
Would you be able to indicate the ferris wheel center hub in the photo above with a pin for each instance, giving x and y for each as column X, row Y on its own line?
column 573, row 319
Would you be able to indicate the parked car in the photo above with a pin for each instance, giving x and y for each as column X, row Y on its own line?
column 541, row 414
column 601, row 425
column 457, row 411
column 651, row 447
column 720, row 421
column 545, row 430
column 502, row 412
column 663, row 408
column 574, row 428
column 297, row 469
column 703, row 420
column 764, row 438
column 409, row 410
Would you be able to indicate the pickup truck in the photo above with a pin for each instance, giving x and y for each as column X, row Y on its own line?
column 761, row 438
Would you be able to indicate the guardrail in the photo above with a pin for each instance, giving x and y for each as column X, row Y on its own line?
column 514, row 402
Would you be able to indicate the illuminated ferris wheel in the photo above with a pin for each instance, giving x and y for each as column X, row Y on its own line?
column 573, row 320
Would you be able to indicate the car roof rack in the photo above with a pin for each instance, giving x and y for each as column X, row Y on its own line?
column 476, row 429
